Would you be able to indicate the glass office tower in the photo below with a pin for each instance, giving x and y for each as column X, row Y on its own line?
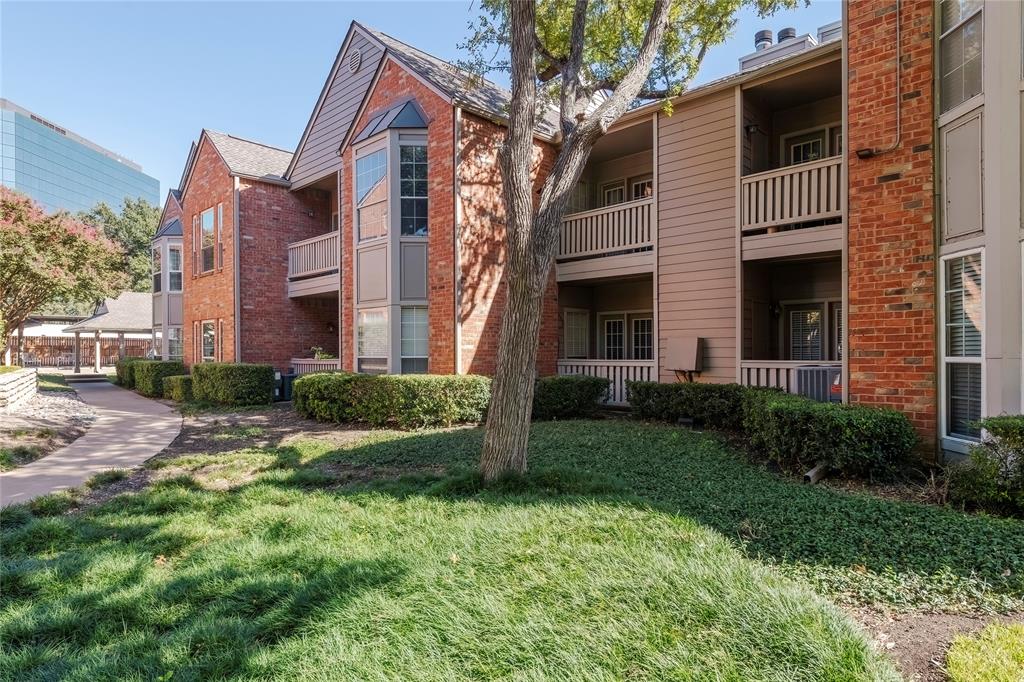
column 62, row 170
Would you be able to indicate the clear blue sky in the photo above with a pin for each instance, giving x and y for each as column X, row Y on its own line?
column 142, row 78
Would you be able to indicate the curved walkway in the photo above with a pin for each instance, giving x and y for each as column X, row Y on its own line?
column 128, row 430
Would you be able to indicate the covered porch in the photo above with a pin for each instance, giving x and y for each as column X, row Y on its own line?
column 608, row 331
column 793, row 325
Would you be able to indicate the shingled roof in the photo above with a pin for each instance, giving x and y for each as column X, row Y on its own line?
column 132, row 311
column 467, row 90
column 251, row 159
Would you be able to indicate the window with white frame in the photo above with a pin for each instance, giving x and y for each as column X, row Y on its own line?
column 208, row 239
column 158, row 345
column 413, row 191
column 615, row 339
column 208, row 341
column 643, row 338
column 961, row 42
column 641, row 188
column 806, row 150
column 962, row 284
column 175, row 345
column 372, row 195
column 805, row 331
column 414, row 339
column 157, row 270
column 576, row 334
column 174, row 269
column 372, row 341
column 837, row 331
column 614, row 193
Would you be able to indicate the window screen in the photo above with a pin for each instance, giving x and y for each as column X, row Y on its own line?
column 577, row 341
column 960, row 51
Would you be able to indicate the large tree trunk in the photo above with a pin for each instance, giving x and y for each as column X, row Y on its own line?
column 508, row 418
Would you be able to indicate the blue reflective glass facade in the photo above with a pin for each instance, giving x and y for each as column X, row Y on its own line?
column 62, row 172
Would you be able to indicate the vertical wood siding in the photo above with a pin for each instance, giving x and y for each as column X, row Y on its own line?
column 697, row 231
column 319, row 156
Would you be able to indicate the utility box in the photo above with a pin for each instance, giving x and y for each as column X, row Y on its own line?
column 684, row 354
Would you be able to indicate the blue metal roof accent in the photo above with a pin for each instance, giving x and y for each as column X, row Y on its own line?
column 404, row 115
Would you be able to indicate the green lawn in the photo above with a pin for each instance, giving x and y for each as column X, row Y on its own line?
column 996, row 654
column 52, row 381
column 4, row 369
column 632, row 551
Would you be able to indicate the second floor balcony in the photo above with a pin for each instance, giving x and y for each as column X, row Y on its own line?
column 313, row 265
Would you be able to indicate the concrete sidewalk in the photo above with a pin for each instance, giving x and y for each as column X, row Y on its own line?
column 128, row 430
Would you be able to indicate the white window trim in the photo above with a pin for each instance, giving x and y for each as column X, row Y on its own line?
column 640, row 180
column 632, row 334
column 827, row 331
column 377, row 143
column 180, row 271
column 202, row 265
column 203, row 357
column 158, row 254
column 627, row 336
column 611, row 186
column 952, row 442
column 401, row 354
column 824, row 129
column 586, row 332
column 970, row 102
column 399, row 143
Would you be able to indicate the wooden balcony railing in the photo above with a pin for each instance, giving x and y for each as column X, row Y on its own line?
column 618, row 372
column 311, row 257
column 308, row 365
column 776, row 373
column 795, row 194
column 604, row 231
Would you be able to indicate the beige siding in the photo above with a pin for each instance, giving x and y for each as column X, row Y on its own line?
column 697, row 231
column 319, row 155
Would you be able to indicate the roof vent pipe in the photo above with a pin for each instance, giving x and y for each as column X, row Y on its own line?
column 762, row 39
column 787, row 34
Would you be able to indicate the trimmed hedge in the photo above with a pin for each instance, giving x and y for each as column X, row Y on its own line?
column 178, row 387
column 568, row 397
column 125, row 375
column 231, row 383
column 717, row 406
column 798, row 432
column 406, row 401
column 992, row 478
column 795, row 432
column 148, row 375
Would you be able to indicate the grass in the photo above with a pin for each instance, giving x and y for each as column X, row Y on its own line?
column 240, row 433
column 15, row 455
column 629, row 551
column 994, row 655
column 5, row 369
column 52, row 381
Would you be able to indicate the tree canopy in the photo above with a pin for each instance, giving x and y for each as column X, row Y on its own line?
column 133, row 229
column 49, row 258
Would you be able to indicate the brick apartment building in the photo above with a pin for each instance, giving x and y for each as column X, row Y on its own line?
column 844, row 209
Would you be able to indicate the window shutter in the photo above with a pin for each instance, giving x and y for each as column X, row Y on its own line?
column 220, row 244
column 195, row 244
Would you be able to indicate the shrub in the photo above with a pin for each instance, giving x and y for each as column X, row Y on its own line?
column 178, row 387
column 718, row 406
column 993, row 475
column 125, row 375
column 568, row 397
column 798, row 432
column 227, row 383
column 406, row 401
column 148, row 375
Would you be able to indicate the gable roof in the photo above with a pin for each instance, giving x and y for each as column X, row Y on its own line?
column 251, row 159
column 466, row 90
column 131, row 311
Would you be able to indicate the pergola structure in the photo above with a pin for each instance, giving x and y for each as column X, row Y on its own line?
column 131, row 312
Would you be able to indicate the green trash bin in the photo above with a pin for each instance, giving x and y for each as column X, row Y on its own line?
column 283, row 386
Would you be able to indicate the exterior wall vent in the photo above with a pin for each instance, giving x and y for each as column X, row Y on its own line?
column 355, row 60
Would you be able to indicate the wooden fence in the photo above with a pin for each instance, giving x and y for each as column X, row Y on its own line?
column 58, row 351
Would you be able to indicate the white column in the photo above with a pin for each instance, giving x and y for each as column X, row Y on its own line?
column 120, row 345
column 96, row 356
column 78, row 353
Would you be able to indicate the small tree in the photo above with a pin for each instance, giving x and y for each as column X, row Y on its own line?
column 133, row 229
column 595, row 60
column 45, row 259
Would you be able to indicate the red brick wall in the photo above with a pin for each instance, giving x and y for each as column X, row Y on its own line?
column 482, row 250
column 394, row 85
column 892, row 287
column 274, row 328
column 209, row 296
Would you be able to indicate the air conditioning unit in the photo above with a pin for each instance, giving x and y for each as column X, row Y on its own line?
column 820, row 383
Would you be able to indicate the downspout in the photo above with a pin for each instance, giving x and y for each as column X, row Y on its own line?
column 457, row 264
column 844, row 368
column 237, row 231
